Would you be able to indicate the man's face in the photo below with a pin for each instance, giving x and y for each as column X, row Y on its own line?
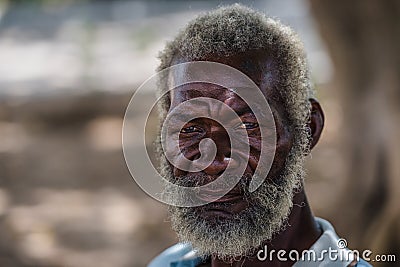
column 238, row 216
column 259, row 67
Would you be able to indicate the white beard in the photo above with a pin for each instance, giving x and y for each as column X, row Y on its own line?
column 269, row 208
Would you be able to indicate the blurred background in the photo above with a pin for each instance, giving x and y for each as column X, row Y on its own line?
column 67, row 71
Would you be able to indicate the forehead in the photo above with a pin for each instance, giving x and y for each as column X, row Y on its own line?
column 196, row 90
column 257, row 65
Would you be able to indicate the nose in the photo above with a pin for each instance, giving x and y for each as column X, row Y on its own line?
column 223, row 156
column 217, row 167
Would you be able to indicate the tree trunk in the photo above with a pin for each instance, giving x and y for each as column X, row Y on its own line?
column 363, row 38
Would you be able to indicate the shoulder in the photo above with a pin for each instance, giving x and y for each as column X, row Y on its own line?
column 171, row 254
column 329, row 239
column 363, row 263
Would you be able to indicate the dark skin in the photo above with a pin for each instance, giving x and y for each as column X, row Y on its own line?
column 259, row 66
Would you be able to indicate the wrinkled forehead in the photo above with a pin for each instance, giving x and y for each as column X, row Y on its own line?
column 212, row 80
column 210, row 72
column 207, row 90
column 251, row 68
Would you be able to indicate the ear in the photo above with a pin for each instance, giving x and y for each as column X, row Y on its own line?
column 316, row 123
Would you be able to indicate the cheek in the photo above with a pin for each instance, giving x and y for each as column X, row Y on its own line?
column 283, row 146
column 189, row 149
column 255, row 149
column 256, row 146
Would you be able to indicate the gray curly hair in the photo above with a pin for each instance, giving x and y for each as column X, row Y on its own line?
column 237, row 29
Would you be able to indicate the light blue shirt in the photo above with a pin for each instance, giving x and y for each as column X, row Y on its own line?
column 183, row 255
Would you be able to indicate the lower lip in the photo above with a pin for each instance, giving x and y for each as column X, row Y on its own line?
column 222, row 211
column 216, row 213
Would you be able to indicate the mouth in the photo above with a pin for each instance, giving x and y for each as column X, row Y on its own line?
column 223, row 208
column 210, row 195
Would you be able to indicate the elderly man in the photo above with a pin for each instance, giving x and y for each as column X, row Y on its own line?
column 243, row 227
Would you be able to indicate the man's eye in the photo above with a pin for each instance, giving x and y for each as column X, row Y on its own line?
column 248, row 125
column 191, row 129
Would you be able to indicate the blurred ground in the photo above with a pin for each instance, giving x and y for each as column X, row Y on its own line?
column 66, row 76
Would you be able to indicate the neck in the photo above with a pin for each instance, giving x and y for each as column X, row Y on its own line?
column 300, row 233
